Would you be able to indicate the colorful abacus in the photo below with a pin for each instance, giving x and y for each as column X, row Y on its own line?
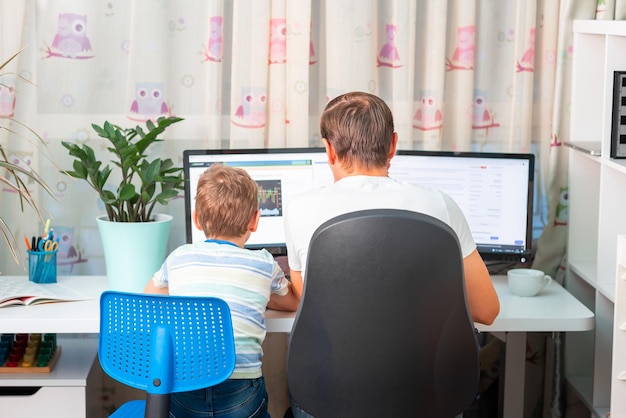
column 28, row 353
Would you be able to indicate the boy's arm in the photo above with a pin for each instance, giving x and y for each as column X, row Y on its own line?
column 288, row 302
column 151, row 288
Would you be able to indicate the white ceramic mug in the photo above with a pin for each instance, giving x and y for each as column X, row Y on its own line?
column 527, row 282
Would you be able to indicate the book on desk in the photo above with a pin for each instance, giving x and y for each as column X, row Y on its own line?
column 19, row 292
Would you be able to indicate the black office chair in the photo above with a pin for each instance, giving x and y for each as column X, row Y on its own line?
column 383, row 328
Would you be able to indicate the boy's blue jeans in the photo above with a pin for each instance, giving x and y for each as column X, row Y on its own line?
column 236, row 398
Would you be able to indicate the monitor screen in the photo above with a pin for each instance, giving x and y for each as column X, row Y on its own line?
column 280, row 175
column 494, row 190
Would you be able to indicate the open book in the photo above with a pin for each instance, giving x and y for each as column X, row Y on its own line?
column 23, row 292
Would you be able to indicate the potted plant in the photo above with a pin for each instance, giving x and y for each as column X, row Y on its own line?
column 134, row 238
column 13, row 176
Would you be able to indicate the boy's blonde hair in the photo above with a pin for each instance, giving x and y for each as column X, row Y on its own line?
column 227, row 199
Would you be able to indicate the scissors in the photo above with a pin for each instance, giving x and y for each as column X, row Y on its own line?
column 48, row 245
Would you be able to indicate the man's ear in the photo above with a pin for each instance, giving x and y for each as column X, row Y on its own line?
column 330, row 152
column 254, row 222
column 394, row 145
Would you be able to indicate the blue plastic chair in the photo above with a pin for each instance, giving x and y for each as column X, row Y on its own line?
column 164, row 344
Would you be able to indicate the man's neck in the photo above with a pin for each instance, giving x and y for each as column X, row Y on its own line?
column 374, row 172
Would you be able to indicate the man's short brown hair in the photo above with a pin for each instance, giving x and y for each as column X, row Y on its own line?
column 359, row 126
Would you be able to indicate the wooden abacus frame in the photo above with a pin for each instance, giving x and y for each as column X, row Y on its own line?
column 34, row 369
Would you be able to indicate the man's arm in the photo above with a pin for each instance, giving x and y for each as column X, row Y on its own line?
column 482, row 298
column 288, row 302
column 296, row 283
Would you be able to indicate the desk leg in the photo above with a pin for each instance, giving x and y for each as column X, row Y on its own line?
column 514, row 374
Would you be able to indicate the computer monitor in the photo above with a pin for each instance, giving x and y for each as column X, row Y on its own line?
column 494, row 190
column 280, row 175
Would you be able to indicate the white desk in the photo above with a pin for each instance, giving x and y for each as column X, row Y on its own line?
column 553, row 310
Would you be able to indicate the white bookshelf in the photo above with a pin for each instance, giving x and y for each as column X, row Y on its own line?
column 597, row 191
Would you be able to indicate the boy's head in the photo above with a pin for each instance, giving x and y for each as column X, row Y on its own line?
column 359, row 126
column 227, row 202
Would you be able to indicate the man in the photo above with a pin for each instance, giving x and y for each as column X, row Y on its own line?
column 358, row 134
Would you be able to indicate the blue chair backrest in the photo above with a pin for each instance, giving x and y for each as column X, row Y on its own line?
column 164, row 344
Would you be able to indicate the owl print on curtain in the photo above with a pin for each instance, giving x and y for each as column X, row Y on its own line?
column 71, row 40
column 215, row 49
column 251, row 111
column 278, row 41
column 463, row 55
column 149, row 102
column 388, row 55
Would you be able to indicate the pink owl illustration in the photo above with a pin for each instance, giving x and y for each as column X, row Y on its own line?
column 388, row 56
column 527, row 63
column 214, row 51
column 480, row 113
column 68, row 254
column 251, row 112
column 7, row 96
column 428, row 115
column 482, row 117
column 463, row 56
column 278, row 40
column 71, row 39
column 149, row 102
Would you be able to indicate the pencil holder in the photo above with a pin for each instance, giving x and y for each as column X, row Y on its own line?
column 42, row 266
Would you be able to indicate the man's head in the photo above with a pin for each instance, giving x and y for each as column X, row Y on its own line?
column 227, row 202
column 359, row 128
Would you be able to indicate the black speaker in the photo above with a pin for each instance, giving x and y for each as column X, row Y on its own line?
column 618, row 132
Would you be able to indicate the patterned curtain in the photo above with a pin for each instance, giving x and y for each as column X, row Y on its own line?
column 483, row 75
column 458, row 75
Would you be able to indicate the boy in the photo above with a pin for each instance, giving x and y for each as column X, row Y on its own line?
column 227, row 210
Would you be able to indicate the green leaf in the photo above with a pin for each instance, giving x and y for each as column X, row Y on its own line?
column 165, row 196
column 127, row 191
column 108, row 197
column 100, row 131
column 80, row 171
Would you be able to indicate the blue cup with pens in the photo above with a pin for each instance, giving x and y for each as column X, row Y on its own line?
column 42, row 266
column 42, row 258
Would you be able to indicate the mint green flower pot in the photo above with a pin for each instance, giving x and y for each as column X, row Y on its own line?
column 133, row 251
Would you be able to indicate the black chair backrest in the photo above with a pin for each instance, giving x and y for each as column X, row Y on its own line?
column 383, row 328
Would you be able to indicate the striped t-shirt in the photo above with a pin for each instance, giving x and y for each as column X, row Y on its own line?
column 245, row 279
